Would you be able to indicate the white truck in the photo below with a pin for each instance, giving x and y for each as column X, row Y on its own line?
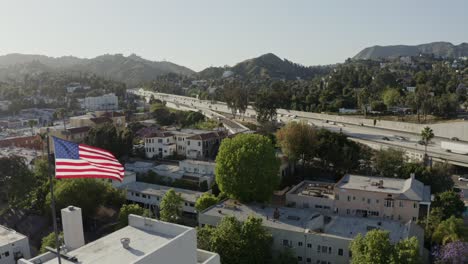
column 455, row 147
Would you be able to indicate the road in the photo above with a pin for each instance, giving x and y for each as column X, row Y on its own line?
column 374, row 137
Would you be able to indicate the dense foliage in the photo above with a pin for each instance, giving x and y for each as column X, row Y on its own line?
column 247, row 168
column 171, row 207
column 236, row 242
column 128, row 209
column 107, row 136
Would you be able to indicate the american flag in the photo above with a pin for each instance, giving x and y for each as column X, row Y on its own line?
column 74, row 160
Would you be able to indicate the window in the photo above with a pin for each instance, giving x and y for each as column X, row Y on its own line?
column 347, row 211
column 363, row 199
column 368, row 200
column 309, row 245
column 285, row 242
column 349, row 198
column 414, row 218
column 354, row 198
column 7, row 253
column 324, row 249
column 401, row 204
column 388, row 203
column 337, row 197
column 137, row 194
column 199, row 144
column 299, row 244
column 415, row 205
column 299, row 258
column 143, row 195
column 160, row 140
column 376, row 200
column 192, row 204
column 340, row 252
column 318, row 206
column 308, row 260
column 318, row 248
column 188, row 142
column 329, row 250
column 399, row 217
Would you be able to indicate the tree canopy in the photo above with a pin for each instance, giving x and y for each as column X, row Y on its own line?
column 450, row 203
column 171, row 207
column 206, row 200
column 247, row 168
column 375, row 248
column 128, row 209
column 237, row 242
column 106, row 136
column 297, row 140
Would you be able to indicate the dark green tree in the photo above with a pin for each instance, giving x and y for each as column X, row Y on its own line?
column 390, row 162
column 16, row 180
column 128, row 209
column 108, row 137
column 297, row 141
column 373, row 248
column 450, row 203
column 205, row 201
column 247, row 168
column 171, row 207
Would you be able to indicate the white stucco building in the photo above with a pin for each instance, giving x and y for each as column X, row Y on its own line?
column 13, row 246
column 143, row 241
column 104, row 103
column 313, row 237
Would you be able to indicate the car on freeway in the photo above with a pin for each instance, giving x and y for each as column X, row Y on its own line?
column 386, row 139
column 455, row 139
column 400, row 137
column 463, row 178
column 422, row 142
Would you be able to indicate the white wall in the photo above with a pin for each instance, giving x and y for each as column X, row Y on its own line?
column 21, row 245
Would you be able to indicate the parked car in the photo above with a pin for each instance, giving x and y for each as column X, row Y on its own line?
column 463, row 178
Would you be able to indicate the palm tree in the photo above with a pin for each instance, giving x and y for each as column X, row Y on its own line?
column 426, row 135
column 61, row 113
column 31, row 124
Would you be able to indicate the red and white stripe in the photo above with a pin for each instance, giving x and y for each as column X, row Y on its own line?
column 93, row 163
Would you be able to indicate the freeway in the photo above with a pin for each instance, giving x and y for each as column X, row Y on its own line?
column 372, row 136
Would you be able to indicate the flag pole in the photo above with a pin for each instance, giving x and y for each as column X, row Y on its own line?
column 52, row 204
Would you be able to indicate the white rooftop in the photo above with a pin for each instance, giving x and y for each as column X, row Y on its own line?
column 8, row 236
column 160, row 190
column 308, row 220
column 410, row 189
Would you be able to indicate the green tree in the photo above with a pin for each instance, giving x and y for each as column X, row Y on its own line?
column 70, row 192
column 391, row 97
column 237, row 242
column 16, row 180
column 449, row 230
column 128, row 209
column 406, row 252
column 265, row 105
column 297, row 141
column 50, row 241
column 373, row 248
column 108, row 137
column 206, row 200
column 389, row 162
column 61, row 113
column 31, row 124
column 363, row 100
column 426, row 135
column 247, row 168
column 171, row 207
column 236, row 97
column 450, row 203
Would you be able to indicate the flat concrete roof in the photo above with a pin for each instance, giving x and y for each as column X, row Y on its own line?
column 160, row 190
column 109, row 250
column 307, row 220
column 8, row 236
column 314, row 189
column 409, row 189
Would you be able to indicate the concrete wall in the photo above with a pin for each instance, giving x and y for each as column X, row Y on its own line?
column 21, row 246
column 457, row 128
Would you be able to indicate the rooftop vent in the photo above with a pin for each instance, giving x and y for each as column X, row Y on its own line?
column 125, row 242
column 276, row 214
column 381, row 184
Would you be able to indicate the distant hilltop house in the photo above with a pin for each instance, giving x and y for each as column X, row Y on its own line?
column 101, row 103
column 71, row 87
column 4, row 105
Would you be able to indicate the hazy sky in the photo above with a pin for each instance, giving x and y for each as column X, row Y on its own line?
column 198, row 34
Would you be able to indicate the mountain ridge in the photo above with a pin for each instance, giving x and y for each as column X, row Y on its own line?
column 438, row 49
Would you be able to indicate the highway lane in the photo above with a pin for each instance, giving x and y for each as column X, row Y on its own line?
column 404, row 140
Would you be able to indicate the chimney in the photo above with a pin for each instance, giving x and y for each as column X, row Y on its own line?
column 380, row 184
column 412, row 176
column 72, row 223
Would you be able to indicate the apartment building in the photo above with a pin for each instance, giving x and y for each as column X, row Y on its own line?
column 143, row 241
column 312, row 236
column 204, row 145
column 98, row 118
column 150, row 195
column 101, row 103
column 194, row 144
column 363, row 196
column 13, row 246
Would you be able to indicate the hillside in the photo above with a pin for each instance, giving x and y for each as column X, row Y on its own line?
column 131, row 69
column 438, row 49
column 265, row 66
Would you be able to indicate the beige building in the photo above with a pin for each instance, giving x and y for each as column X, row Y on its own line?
column 313, row 237
column 97, row 118
column 363, row 196
column 194, row 144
